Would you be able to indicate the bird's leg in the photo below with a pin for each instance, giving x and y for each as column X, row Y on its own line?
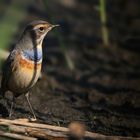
column 11, row 108
column 30, row 106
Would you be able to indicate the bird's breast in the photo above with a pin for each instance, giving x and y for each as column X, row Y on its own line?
column 25, row 74
column 30, row 62
column 29, row 65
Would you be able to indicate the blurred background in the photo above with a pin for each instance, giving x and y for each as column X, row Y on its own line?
column 91, row 65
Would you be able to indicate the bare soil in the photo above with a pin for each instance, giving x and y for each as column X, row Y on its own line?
column 103, row 90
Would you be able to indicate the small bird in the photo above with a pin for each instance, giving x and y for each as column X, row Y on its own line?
column 23, row 65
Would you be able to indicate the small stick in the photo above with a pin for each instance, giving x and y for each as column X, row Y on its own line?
column 52, row 132
column 35, row 125
column 39, row 133
column 15, row 136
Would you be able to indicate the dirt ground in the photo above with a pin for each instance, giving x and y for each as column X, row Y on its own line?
column 102, row 91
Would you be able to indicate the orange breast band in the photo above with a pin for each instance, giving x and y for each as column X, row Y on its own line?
column 29, row 65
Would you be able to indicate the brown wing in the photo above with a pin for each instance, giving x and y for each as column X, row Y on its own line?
column 9, row 67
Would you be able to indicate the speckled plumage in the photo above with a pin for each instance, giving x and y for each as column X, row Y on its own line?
column 23, row 66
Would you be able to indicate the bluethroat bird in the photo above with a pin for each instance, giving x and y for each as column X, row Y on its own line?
column 23, row 66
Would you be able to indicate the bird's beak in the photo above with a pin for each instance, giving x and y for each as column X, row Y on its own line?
column 52, row 26
column 55, row 25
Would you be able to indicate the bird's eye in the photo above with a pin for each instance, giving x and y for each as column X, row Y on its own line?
column 41, row 29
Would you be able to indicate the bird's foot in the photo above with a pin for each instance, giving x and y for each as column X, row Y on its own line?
column 32, row 119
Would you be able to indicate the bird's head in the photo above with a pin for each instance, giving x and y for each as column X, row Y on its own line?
column 38, row 29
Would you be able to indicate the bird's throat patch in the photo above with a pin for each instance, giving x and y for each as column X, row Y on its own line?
column 33, row 55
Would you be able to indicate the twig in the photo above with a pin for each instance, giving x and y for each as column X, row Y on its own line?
column 24, row 122
column 39, row 133
column 51, row 132
column 16, row 136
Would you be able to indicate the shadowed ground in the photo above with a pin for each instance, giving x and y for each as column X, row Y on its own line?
column 102, row 91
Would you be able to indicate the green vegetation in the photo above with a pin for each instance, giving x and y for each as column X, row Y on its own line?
column 12, row 15
column 103, row 17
